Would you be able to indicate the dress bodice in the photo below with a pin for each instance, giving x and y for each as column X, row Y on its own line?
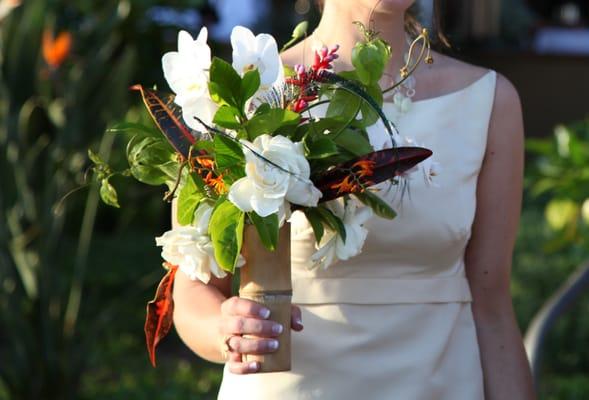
column 394, row 322
column 422, row 249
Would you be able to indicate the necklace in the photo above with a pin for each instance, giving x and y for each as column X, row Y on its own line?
column 403, row 94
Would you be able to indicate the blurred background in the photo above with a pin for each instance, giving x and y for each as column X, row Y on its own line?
column 75, row 275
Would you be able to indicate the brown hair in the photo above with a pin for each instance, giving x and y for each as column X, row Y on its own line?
column 414, row 27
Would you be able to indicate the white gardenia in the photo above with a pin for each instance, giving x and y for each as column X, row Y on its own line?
column 429, row 168
column 265, row 188
column 190, row 248
column 256, row 52
column 332, row 248
column 187, row 74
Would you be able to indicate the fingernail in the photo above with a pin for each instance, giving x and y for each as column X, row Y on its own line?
column 299, row 321
column 273, row 344
column 264, row 313
column 253, row 366
column 277, row 329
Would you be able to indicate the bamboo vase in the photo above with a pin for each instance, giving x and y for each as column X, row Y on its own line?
column 266, row 279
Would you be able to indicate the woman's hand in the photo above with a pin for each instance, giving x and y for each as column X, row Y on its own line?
column 245, row 317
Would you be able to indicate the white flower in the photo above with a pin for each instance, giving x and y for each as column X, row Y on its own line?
column 202, row 107
column 256, row 52
column 186, row 69
column 265, row 187
column 430, row 169
column 187, row 73
column 332, row 247
column 191, row 249
column 402, row 102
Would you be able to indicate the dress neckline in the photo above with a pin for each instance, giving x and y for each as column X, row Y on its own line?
column 449, row 94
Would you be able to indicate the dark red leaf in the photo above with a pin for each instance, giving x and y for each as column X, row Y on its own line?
column 368, row 170
column 168, row 117
column 158, row 321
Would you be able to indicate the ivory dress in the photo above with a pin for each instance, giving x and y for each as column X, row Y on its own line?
column 394, row 322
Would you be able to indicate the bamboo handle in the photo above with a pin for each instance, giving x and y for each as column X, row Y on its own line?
column 266, row 279
column 280, row 311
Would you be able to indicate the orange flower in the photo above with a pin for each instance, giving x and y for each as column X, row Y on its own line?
column 216, row 183
column 366, row 168
column 205, row 162
column 56, row 50
column 346, row 186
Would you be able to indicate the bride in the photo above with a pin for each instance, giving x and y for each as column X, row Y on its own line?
column 425, row 311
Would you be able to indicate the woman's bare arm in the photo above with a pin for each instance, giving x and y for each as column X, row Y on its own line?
column 489, row 252
column 206, row 314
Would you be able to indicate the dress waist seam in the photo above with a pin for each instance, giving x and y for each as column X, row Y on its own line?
column 381, row 290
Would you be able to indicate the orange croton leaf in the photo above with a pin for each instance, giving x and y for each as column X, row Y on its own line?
column 158, row 321
column 56, row 50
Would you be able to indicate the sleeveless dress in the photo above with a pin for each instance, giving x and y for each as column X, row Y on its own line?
column 394, row 322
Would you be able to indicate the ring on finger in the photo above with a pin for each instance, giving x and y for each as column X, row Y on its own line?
column 226, row 347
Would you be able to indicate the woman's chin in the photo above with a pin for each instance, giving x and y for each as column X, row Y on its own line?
column 390, row 6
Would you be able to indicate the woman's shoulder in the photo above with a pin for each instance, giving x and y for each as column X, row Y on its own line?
column 451, row 74
column 506, row 121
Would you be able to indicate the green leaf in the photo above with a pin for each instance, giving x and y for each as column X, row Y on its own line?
column 321, row 148
column 108, row 194
column 354, row 142
column 152, row 161
column 133, row 128
column 267, row 228
column 332, row 80
column 227, row 152
column 95, row 158
column 270, row 121
column 249, row 85
column 378, row 205
column 226, row 229
column 344, row 106
column 227, row 117
column 188, row 200
column 225, row 83
column 369, row 115
column 333, row 221
column 316, row 222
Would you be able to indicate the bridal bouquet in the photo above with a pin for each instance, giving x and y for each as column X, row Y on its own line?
column 242, row 144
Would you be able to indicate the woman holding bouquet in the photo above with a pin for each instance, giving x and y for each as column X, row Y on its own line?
column 424, row 312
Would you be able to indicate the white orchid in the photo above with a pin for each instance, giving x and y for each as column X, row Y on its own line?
column 266, row 187
column 187, row 73
column 256, row 52
column 332, row 247
column 402, row 103
column 430, row 169
column 191, row 249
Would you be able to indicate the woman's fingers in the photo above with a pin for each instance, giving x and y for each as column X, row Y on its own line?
column 243, row 307
column 251, row 326
column 242, row 345
column 243, row 368
column 296, row 319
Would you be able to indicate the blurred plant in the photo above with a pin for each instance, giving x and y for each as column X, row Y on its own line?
column 57, row 96
column 560, row 176
column 6, row 6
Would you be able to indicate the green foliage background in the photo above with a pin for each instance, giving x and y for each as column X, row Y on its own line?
column 107, row 258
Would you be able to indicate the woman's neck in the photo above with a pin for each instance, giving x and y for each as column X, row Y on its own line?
column 337, row 27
